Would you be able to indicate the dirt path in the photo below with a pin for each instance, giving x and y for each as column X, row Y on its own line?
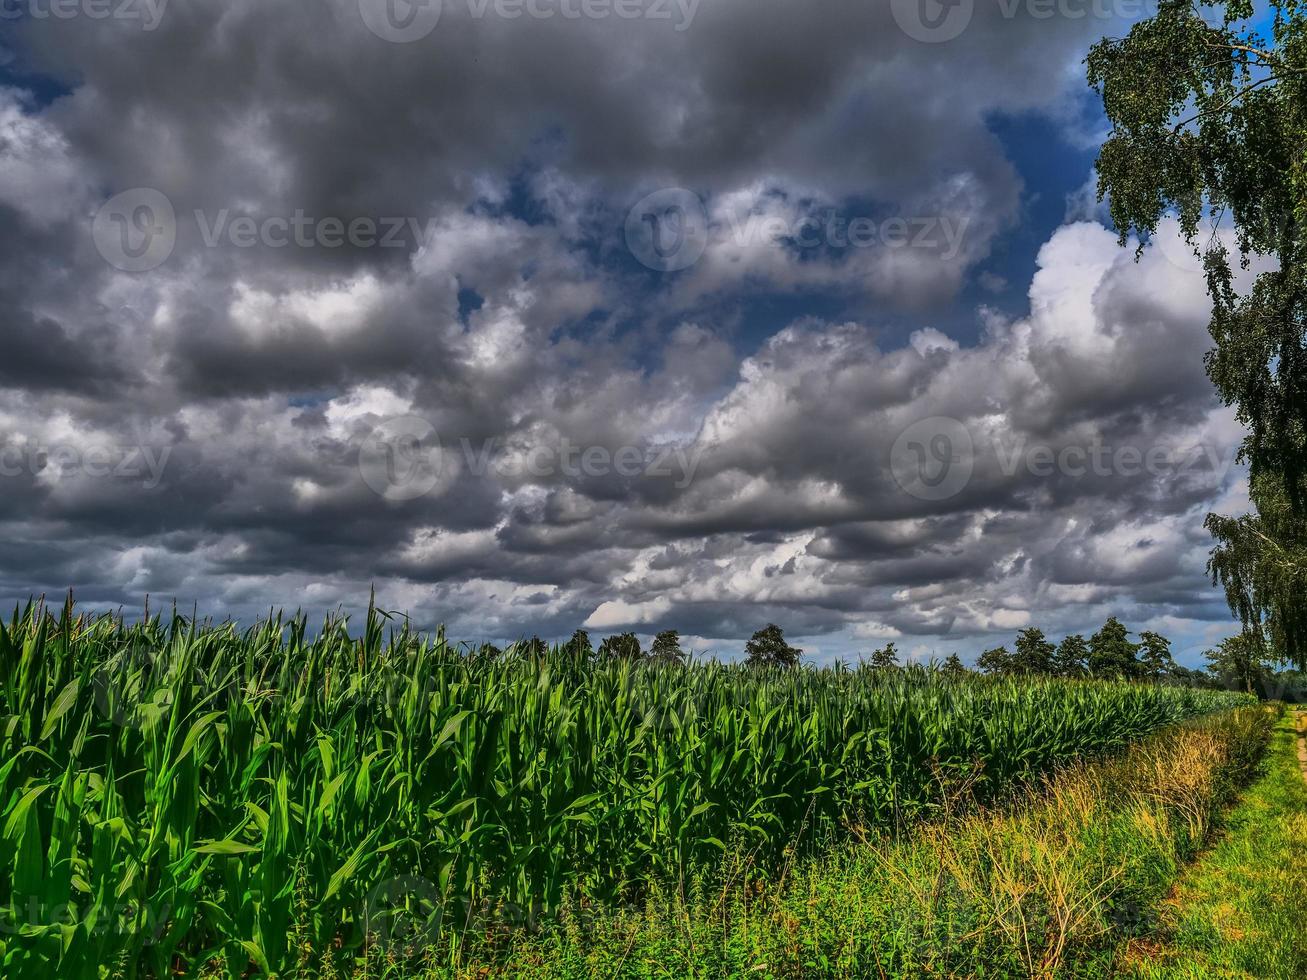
column 1301, row 720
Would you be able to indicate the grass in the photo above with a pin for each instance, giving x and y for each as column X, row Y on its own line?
column 1241, row 911
column 1051, row 886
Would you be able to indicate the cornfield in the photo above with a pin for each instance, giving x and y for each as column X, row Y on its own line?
column 180, row 795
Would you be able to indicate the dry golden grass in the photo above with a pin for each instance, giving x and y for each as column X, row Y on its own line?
column 1061, row 877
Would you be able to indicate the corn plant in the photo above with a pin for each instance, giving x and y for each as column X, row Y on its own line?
column 183, row 796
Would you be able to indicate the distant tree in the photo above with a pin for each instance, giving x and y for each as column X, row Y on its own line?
column 488, row 651
column 579, row 645
column 1072, row 657
column 884, row 658
column 1155, row 661
column 623, row 646
column 1111, row 654
column 995, row 661
column 1289, row 686
column 534, row 647
column 1034, row 654
column 768, row 648
column 953, row 665
column 667, row 647
column 1193, row 678
column 1239, row 662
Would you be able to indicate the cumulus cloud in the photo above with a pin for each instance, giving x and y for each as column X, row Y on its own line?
column 605, row 445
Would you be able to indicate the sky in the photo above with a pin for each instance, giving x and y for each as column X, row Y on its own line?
column 624, row 315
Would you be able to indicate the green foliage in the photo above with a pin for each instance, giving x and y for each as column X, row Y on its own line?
column 1209, row 117
column 579, row 646
column 767, row 648
column 667, row 648
column 1155, row 661
column 1261, row 560
column 178, row 794
column 1241, row 911
column 1034, row 654
column 995, row 661
column 1111, row 654
column 534, row 647
column 1053, row 886
column 623, row 646
column 953, row 665
column 1072, row 657
column 883, row 659
column 1240, row 663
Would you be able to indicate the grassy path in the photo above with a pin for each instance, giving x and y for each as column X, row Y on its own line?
column 1241, row 911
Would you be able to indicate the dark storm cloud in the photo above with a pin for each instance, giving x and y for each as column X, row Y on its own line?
column 754, row 485
column 43, row 355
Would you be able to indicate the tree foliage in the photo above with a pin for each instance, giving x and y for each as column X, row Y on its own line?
column 1209, row 121
column 995, row 661
column 1239, row 662
column 885, row 657
column 1111, row 654
column 1155, row 661
column 1261, row 560
column 953, row 665
column 1034, row 654
column 579, row 645
column 623, row 646
column 667, row 648
column 768, row 648
column 1072, row 657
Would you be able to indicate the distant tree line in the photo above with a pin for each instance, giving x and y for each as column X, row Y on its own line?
column 1236, row 663
column 1109, row 653
column 1239, row 663
column 622, row 646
